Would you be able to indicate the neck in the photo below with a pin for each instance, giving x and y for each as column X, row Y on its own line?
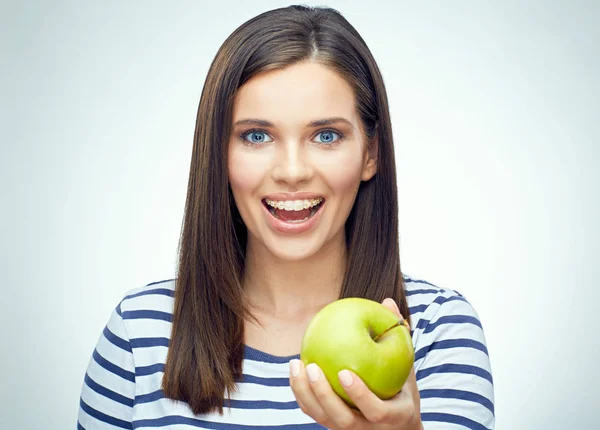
column 286, row 289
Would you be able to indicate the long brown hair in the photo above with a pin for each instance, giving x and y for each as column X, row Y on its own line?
column 205, row 355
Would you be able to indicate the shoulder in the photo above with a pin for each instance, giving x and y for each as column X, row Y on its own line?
column 435, row 309
column 452, row 365
column 425, row 298
column 156, row 296
column 148, row 311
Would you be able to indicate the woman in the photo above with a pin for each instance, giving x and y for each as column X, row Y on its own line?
column 292, row 204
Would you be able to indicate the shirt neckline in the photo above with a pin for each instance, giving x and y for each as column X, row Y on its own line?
column 257, row 355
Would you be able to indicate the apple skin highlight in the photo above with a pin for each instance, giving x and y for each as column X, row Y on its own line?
column 341, row 336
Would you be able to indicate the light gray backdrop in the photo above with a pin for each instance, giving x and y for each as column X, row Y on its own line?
column 495, row 107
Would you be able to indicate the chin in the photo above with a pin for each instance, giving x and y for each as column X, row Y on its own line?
column 293, row 250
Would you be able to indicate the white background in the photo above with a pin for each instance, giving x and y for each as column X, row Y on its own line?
column 495, row 107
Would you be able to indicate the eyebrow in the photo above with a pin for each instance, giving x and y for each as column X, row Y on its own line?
column 316, row 123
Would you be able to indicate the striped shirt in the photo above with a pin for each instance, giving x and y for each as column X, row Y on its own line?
column 121, row 388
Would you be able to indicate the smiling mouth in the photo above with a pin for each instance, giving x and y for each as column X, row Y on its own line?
column 296, row 211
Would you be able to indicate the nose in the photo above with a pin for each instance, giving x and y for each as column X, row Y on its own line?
column 292, row 166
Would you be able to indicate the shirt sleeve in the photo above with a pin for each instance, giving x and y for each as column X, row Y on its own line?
column 453, row 370
column 108, row 389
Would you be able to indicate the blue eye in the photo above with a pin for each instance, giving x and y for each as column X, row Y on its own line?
column 258, row 137
column 255, row 137
column 327, row 137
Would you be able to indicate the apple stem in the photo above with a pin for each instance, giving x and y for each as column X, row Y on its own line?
column 400, row 322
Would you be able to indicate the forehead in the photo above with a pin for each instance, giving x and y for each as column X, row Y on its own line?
column 297, row 94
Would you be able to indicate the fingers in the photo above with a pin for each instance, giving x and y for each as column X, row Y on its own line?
column 304, row 395
column 336, row 409
column 318, row 400
column 403, row 409
column 372, row 407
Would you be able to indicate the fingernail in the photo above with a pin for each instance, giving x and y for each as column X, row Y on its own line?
column 294, row 367
column 345, row 378
column 313, row 372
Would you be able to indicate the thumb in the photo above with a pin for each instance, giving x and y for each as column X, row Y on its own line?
column 392, row 306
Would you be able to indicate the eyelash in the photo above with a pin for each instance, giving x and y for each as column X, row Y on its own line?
column 259, row 130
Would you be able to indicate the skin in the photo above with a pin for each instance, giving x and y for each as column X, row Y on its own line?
column 290, row 277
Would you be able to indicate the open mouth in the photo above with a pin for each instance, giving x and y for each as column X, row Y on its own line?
column 296, row 211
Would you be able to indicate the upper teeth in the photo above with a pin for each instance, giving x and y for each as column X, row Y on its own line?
column 294, row 205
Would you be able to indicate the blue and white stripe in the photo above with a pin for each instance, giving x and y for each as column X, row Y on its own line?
column 121, row 388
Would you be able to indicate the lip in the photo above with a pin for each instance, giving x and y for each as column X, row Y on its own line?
column 293, row 228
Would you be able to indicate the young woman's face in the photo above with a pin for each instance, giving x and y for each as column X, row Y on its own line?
column 297, row 155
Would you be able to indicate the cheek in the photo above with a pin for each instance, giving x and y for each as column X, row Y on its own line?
column 243, row 174
column 344, row 175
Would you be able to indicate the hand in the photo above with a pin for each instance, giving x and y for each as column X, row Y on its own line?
column 317, row 399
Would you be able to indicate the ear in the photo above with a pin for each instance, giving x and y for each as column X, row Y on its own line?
column 370, row 165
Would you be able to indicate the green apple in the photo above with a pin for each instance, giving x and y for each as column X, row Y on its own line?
column 362, row 336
